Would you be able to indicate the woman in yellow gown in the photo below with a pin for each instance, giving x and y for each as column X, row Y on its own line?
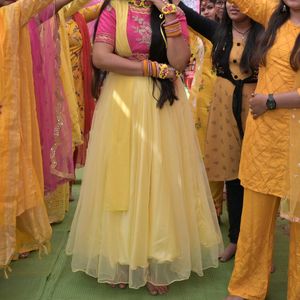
column 145, row 201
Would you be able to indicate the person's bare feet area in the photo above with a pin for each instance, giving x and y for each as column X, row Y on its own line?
column 228, row 253
column 24, row 255
column 120, row 285
column 273, row 268
column 156, row 290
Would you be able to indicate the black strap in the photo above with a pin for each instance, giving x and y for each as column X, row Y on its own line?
column 237, row 98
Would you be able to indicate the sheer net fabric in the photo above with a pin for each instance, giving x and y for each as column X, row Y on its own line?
column 145, row 212
column 290, row 204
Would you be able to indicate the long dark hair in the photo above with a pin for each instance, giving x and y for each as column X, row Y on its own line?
column 224, row 35
column 278, row 18
column 158, row 52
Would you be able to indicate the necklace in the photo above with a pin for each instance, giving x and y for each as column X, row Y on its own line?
column 141, row 3
column 243, row 34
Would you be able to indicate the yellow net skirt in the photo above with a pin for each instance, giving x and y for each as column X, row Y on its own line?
column 145, row 212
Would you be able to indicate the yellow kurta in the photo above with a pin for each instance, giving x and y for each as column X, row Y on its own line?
column 265, row 152
column 223, row 142
column 21, row 177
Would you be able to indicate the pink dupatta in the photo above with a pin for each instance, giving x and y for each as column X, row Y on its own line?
column 52, row 109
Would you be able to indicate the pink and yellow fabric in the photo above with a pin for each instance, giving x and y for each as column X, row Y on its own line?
column 138, row 29
column 21, row 185
column 52, row 107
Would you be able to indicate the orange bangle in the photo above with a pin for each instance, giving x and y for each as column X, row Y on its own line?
column 145, row 67
column 154, row 69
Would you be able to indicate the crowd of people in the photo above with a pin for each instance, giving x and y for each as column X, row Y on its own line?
column 161, row 147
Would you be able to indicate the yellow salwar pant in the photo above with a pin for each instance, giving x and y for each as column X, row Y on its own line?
column 57, row 203
column 217, row 190
column 250, row 277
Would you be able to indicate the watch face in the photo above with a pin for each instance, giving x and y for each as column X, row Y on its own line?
column 271, row 104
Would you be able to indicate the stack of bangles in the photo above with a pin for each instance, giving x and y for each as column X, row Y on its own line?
column 157, row 70
column 173, row 28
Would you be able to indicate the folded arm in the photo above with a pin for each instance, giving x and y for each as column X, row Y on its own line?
column 200, row 24
column 258, row 10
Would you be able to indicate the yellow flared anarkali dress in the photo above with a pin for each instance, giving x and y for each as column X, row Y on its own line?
column 145, row 212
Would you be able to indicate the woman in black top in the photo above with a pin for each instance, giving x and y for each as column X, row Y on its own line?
column 234, row 41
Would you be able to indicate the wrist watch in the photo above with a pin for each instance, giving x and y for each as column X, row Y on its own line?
column 271, row 103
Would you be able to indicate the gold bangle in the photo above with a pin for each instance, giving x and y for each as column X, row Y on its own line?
column 169, row 8
column 163, row 71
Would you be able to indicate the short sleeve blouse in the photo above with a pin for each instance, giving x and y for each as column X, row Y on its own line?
column 138, row 29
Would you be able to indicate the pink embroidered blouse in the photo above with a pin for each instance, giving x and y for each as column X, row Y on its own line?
column 138, row 29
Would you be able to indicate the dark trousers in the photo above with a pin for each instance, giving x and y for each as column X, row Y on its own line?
column 235, row 194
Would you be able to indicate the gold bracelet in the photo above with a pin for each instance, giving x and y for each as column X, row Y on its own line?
column 169, row 8
column 163, row 71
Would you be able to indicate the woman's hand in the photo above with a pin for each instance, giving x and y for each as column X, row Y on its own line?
column 171, row 73
column 176, row 2
column 257, row 105
column 159, row 4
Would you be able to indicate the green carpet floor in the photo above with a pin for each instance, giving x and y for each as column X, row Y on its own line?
column 51, row 278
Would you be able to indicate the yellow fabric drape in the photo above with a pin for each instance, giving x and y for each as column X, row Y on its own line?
column 66, row 68
column 290, row 205
column 67, row 80
column 22, row 206
column 202, row 93
column 92, row 12
column 118, row 199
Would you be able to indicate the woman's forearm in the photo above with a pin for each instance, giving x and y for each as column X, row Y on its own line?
column 258, row 10
column 287, row 100
column 200, row 24
column 115, row 63
column 178, row 51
